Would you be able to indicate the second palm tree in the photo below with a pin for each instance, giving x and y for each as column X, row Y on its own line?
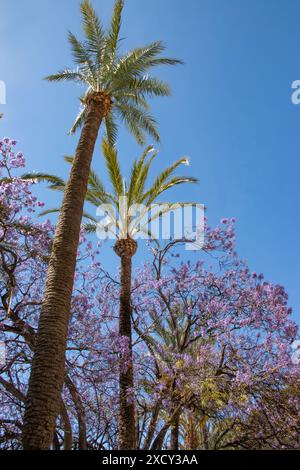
column 124, row 225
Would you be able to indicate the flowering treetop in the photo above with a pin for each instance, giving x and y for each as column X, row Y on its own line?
column 212, row 341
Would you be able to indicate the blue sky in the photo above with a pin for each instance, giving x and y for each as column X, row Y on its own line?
column 231, row 109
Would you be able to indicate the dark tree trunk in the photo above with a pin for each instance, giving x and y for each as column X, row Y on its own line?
column 175, row 431
column 152, row 425
column 159, row 440
column 127, row 424
column 48, row 366
column 68, row 436
column 55, row 444
column 81, row 418
column 126, row 249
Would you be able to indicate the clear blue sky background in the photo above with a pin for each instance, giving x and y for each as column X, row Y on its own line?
column 231, row 108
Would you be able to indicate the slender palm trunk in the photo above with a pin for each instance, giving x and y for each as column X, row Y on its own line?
column 48, row 366
column 127, row 428
column 127, row 424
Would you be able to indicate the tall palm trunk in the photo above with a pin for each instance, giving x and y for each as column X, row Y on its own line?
column 48, row 366
column 127, row 423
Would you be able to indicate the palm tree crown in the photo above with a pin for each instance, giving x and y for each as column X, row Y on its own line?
column 123, row 198
column 122, row 80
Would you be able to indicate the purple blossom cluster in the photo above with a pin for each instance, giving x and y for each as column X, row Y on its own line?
column 8, row 158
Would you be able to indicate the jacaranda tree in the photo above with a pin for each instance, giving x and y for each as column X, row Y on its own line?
column 213, row 364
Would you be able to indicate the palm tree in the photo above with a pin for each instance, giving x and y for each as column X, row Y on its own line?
column 125, row 226
column 117, row 87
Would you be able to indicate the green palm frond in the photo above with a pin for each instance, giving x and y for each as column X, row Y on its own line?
column 82, row 55
column 93, row 29
column 95, row 183
column 170, row 184
column 113, row 167
column 138, row 121
column 79, row 121
column 133, row 98
column 111, row 129
column 135, row 174
column 141, row 179
column 132, row 126
column 69, row 159
column 95, row 199
column 58, row 187
column 164, row 61
column 94, row 32
column 156, row 188
column 92, row 228
column 96, row 189
column 138, row 61
column 146, row 86
column 160, row 330
column 65, row 76
column 90, row 218
column 48, row 212
column 113, row 34
column 43, row 177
